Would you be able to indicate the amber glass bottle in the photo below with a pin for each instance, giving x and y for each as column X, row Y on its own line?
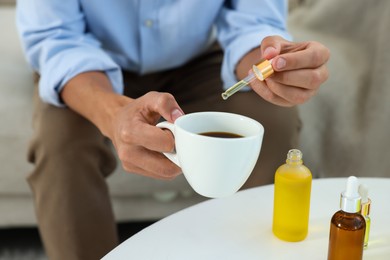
column 347, row 227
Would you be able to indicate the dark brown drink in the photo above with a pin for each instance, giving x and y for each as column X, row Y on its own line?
column 221, row 134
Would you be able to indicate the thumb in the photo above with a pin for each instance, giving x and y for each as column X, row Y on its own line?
column 176, row 113
column 271, row 47
column 164, row 104
column 174, row 109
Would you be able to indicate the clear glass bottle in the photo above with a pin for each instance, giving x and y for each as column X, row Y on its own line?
column 292, row 198
column 347, row 227
column 365, row 211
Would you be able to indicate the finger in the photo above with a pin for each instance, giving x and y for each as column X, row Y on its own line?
column 275, row 45
column 152, row 164
column 271, row 46
column 303, row 78
column 262, row 90
column 164, row 104
column 292, row 95
column 305, row 55
column 142, row 131
column 149, row 136
column 136, row 170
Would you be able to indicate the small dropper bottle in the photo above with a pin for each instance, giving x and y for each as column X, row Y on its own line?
column 347, row 227
column 365, row 211
column 292, row 192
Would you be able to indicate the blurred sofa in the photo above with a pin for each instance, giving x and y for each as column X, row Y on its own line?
column 346, row 125
column 134, row 197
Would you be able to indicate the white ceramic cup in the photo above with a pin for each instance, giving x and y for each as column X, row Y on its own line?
column 215, row 167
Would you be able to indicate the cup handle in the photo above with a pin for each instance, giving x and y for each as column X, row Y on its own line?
column 171, row 156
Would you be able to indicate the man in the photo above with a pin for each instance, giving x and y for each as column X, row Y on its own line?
column 111, row 70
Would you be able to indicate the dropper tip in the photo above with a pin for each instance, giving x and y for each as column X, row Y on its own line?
column 224, row 96
column 363, row 191
column 352, row 187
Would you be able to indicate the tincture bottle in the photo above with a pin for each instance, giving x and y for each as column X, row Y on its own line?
column 292, row 198
column 347, row 227
column 365, row 211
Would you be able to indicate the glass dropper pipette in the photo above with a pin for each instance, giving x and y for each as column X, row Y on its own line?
column 260, row 71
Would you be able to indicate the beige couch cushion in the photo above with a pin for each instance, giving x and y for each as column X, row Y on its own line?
column 133, row 196
column 7, row 2
column 346, row 125
column 15, row 108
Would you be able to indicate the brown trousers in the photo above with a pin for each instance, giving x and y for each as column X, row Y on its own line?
column 72, row 158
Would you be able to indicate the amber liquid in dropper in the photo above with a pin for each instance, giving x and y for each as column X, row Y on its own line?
column 262, row 70
column 239, row 85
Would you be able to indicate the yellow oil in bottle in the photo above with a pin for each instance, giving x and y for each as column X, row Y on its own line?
column 292, row 199
column 367, row 234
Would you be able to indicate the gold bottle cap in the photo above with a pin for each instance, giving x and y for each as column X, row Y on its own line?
column 263, row 69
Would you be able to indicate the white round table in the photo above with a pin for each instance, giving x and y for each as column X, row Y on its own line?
column 239, row 227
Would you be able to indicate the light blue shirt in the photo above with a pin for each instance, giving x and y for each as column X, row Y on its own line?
column 64, row 38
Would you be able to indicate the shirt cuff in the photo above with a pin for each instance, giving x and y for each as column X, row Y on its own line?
column 241, row 46
column 61, row 68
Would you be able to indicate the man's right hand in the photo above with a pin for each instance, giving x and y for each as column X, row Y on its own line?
column 139, row 142
column 129, row 123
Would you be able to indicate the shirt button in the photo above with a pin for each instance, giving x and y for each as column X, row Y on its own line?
column 148, row 23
